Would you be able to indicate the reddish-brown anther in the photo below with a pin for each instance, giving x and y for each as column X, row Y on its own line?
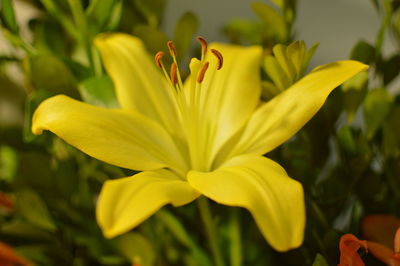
column 220, row 58
column 202, row 72
column 172, row 49
column 203, row 44
column 158, row 58
column 173, row 73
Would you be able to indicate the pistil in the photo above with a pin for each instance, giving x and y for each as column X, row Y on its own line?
column 192, row 102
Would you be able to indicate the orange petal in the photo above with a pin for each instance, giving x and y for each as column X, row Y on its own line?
column 380, row 229
column 349, row 245
column 382, row 253
column 8, row 257
column 397, row 241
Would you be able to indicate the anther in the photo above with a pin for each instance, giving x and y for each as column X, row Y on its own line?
column 220, row 58
column 203, row 44
column 172, row 49
column 173, row 74
column 202, row 72
column 158, row 57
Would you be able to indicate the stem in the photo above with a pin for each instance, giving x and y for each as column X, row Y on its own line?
column 16, row 40
column 211, row 230
column 85, row 37
column 319, row 214
column 179, row 232
column 56, row 13
column 235, row 239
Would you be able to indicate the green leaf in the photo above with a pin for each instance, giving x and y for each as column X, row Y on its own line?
column 239, row 30
column 185, row 28
column 104, row 15
column 151, row 10
column 18, row 229
column 354, row 91
column 391, row 134
column 346, row 140
column 274, row 20
column 320, row 261
column 377, row 106
column 48, row 36
column 98, row 11
column 8, row 163
column 115, row 16
column 363, row 52
column 99, row 91
column 36, row 253
column 49, row 73
column 309, row 54
column 137, row 249
column 391, row 69
column 386, row 19
column 154, row 39
column 33, row 209
column 179, row 232
column 7, row 15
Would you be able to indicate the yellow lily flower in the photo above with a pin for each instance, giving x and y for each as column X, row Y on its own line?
column 206, row 136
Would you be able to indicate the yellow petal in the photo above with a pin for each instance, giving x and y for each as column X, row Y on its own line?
column 118, row 137
column 263, row 187
column 125, row 203
column 231, row 94
column 139, row 84
column 279, row 119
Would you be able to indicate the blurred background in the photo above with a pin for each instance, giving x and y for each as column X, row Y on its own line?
column 336, row 25
column 347, row 157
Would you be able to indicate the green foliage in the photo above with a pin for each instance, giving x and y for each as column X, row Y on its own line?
column 137, row 249
column 286, row 66
column 33, row 209
column 51, row 74
column 354, row 91
column 185, row 29
column 320, row 261
column 7, row 16
column 275, row 24
column 347, row 158
column 273, row 18
column 377, row 106
column 99, row 91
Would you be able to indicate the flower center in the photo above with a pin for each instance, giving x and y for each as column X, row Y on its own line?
column 191, row 100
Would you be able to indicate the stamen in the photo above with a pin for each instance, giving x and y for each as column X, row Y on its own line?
column 203, row 44
column 158, row 57
column 202, row 72
column 220, row 58
column 173, row 74
column 172, row 49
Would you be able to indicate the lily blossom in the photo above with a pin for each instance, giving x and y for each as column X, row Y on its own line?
column 203, row 136
column 382, row 233
column 383, row 241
